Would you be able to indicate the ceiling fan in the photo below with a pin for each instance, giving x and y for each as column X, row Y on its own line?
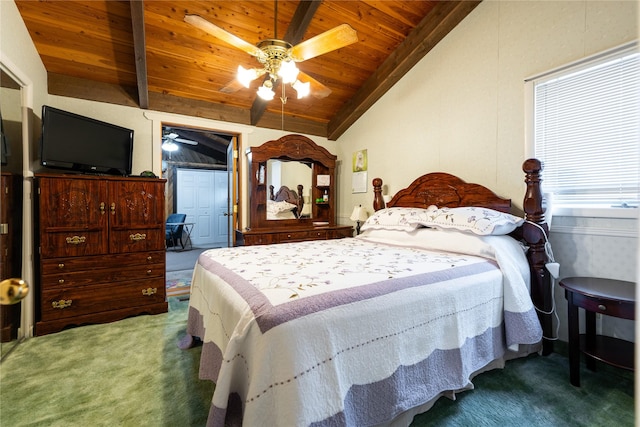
column 278, row 58
column 169, row 141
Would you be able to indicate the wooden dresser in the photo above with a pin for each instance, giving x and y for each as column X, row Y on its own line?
column 264, row 237
column 101, row 249
column 319, row 183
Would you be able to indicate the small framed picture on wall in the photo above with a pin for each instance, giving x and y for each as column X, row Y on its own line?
column 360, row 161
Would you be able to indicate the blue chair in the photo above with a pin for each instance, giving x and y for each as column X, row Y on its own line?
column 173, row 233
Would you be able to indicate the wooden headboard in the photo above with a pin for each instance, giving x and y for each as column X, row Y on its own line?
column 445, row 190
column 287, row 195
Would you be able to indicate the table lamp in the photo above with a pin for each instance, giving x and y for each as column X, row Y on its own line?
column 358, row 215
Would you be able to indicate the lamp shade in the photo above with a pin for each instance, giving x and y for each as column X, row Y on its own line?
column 358, row 214
column 265, row 92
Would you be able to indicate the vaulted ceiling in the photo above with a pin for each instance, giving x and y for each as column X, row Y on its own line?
column 142, row 53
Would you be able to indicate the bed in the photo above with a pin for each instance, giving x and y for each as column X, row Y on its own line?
column 372, row 330
column 285, row 203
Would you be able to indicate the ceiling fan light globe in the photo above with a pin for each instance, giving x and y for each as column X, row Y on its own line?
column 288, row 71
column 266, row 93
column 245, row 77
column 169, row 146
column 302, row 89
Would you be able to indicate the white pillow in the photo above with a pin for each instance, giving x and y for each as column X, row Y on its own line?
column 477, row 220
column 405, row 219
column 278, row 207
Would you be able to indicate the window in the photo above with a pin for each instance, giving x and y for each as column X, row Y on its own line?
column 586, row 130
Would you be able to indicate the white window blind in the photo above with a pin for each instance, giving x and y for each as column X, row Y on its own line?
column 586, row 131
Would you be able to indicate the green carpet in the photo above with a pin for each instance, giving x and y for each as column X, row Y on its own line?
column 131, row 373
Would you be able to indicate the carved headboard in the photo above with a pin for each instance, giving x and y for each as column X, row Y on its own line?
column 285, row 194
column 445, row 190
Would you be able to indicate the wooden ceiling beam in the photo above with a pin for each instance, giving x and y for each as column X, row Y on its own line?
column 298, row 26
column 75, row 87
column 433, row 28
column 140, row 51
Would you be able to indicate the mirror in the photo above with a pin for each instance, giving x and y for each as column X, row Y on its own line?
column 290, row 174
column 290, row 160
column 11, row 145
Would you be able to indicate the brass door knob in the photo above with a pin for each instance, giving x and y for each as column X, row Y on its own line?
column 13, row 291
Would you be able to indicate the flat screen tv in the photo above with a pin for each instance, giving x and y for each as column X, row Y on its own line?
column 77, row 143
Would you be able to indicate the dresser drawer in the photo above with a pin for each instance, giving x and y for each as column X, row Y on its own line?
column 260, row 239
column 103, row 275
column 136, row 240
column 298, row 236
column 70, row 302
column 73, row 243
column 341, row 233
column 75, row 264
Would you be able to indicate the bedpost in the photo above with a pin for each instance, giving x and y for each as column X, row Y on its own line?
column 541, row 291
column 300, row 199
column 378, row 201
column 271, row 195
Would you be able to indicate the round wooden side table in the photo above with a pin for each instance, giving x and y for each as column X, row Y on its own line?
column 614, row 298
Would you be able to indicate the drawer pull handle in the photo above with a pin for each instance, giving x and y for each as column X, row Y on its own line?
column 61, row 265
column 149, row 291
column 60, row 281
column 137, row 237
column 102, row 206
column 76, row 240
column 113, row 208
column 148, row 271
column 62, row 303
column 288, row 236
column 149, row 258
column 602, row 307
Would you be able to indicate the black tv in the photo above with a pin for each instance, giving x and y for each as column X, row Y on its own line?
column 82, row 144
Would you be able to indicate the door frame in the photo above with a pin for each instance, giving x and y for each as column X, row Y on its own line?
column 27, row 318
column 234, row 191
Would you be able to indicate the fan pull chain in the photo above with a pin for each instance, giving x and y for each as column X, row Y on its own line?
column 283, row 98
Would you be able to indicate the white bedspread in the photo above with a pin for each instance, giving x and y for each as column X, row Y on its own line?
column 355, row 331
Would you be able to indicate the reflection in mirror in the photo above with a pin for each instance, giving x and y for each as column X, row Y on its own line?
column 11, row 204
column 285, row 177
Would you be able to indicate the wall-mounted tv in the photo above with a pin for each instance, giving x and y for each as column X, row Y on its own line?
column 77, row 143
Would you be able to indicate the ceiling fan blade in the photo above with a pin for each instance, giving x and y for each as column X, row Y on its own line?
column 317, row 89
column 186, row 141
column 335, row 38
column 212, row 29
column 235, row 85
column 231, row 87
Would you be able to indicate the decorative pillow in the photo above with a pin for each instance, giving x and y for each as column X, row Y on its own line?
column 482, row 221
column 278, row 207
column 405, row 219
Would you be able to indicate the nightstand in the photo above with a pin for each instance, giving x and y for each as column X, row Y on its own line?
column 614, row 298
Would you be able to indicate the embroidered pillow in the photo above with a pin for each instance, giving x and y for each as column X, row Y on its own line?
column 482, row 221
column 279, row 207
column 405, row 219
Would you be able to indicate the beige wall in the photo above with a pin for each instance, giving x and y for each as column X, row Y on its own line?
column 461, row 109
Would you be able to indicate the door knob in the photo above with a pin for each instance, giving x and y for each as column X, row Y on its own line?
column 13, row 291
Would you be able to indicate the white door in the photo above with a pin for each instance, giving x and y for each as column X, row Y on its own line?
column 202, row 195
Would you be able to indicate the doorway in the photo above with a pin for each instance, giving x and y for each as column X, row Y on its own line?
column 201, row 181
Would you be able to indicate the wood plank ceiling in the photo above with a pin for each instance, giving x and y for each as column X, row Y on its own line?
column 142, row 54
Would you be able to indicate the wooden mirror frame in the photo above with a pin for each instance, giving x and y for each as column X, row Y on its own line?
column 291, row 148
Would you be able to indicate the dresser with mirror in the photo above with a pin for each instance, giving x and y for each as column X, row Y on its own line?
column 292, row 192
